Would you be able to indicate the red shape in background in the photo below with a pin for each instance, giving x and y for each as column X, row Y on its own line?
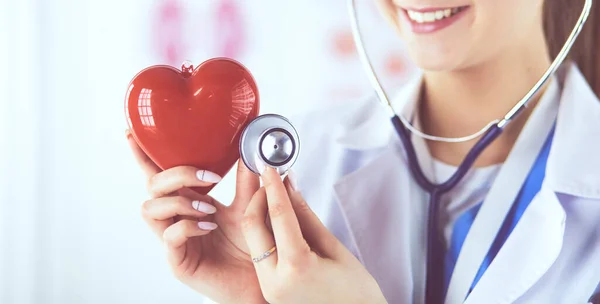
column 343, row 43
column 231, row 36
column 168, row 29
column 394, row 65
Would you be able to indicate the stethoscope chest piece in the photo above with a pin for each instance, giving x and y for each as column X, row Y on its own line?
column 269, row 140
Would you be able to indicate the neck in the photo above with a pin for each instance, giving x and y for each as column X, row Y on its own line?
column 459, row 103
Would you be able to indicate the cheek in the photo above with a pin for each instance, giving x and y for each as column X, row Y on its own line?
column 388, row 11
column 504, row 24
column 493, row 29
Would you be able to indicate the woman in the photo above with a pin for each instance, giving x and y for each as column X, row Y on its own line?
column 361, row 238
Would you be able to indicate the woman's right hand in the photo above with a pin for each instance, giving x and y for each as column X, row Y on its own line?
column 206, row 248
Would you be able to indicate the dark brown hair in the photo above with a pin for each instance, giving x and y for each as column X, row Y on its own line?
column 559, row 18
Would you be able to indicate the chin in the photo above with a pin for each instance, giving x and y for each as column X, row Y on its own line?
column 439, row 53
column 435, row 61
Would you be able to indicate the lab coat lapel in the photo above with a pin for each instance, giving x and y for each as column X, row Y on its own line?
column 537, row 239
column 500, row 199
column 385, row 221
column 527, row 254
column 382, row 205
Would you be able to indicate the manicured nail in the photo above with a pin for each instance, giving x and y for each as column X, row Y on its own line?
column 207, row 225
column 204, row 207
column 292, row 178
column 207, row 176
column 260, row 165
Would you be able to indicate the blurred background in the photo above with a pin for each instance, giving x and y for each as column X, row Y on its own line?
column 70, row 191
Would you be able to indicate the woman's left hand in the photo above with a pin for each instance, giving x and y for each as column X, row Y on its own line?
column 309, row 265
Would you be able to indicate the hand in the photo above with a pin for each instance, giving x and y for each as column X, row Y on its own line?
column 310, row 265
column 205, row 245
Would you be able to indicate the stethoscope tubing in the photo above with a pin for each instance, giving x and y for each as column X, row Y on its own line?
column 435, row 246
column 488, row 137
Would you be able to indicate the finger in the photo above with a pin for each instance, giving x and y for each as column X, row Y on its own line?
column 176, row 236
column 258, row 237
column 246, row 184
column 176, row 178
column 147, row 165
column 167, row 207
column 316, row 234
column 288, row 236
column 160, row 213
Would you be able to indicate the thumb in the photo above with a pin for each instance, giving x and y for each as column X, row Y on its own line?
column 246, row 184
column 315, row 233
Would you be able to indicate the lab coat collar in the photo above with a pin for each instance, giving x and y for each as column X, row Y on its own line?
column 573, row 161
column 370, row 126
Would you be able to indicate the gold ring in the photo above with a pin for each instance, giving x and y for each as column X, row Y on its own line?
column 264, row 255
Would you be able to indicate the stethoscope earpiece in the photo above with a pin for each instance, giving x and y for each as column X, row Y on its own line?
column 269, row 140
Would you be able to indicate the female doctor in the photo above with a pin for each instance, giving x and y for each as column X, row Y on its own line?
column 350, row 224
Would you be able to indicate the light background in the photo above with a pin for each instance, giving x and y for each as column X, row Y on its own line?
column 70, row 192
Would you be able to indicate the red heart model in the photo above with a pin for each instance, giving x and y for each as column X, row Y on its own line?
column 192, row 117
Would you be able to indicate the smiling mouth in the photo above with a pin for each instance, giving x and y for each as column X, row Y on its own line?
column 431, row 16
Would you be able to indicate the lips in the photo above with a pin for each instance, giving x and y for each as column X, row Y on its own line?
column 432, row 19
column 433, row 15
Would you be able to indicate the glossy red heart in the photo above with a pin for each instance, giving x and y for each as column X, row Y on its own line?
column 192, row 117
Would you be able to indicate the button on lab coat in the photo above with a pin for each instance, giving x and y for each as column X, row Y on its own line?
column 353, row 173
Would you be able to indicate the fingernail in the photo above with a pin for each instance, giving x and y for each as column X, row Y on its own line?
column 204, row 207
column 292, row 178
column 207, row 225
column 260, row 165
column 262, row 174
column 207, row 176
column 127, row 133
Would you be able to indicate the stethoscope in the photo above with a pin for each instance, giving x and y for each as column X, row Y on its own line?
column 272, row 140
column 269, row 140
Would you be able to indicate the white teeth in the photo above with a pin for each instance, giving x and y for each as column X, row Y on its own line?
column 420, row 17
column 429, row 16
column 439, row 15
column 416, row 16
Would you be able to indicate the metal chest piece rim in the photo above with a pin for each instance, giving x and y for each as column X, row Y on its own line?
column 269, row 140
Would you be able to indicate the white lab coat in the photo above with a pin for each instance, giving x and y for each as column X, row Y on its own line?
column 353, row 173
